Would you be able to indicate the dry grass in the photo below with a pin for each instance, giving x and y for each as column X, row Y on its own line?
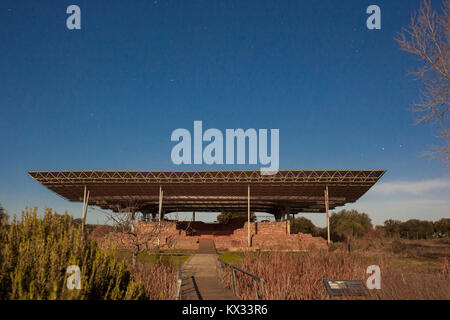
column 158, row 280
column 155, row 271
column 297, row 276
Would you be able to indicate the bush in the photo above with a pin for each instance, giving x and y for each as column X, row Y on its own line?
column 350, row 221
column 37, row 251
column 336, row 245
column 226, row 217
column 416, row 229
column 442, row 227
column 3, row 217
column 398, row 247
column 303, row 225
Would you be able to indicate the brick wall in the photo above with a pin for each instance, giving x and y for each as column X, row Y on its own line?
column 232, row 236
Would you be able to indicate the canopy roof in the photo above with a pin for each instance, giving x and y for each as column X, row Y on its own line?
column 294, row 190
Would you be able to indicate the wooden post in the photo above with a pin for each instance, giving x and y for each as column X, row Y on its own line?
column 328, row 215
column 248, row 209
column 159, row 215
column 193, row 215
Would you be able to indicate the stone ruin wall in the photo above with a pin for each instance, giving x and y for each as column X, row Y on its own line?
column 231, row 237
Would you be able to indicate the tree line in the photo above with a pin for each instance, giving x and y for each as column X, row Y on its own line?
column 417, row 229
column 347, row 224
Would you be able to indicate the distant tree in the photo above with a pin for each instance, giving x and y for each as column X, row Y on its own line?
column 392, row 227
column 322, row 232
column 303, row 225
column 427, row 37
column 442, row 227
column 417, row 229
column 360, row 218
column 226, row 216
column 348, row 227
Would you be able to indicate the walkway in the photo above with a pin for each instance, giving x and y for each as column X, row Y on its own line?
column 200, row 279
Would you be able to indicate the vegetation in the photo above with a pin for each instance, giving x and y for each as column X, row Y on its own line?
column 442, row 227
column 417, row 229
column 427, row 37
column 347, row 225
column 226, row 217
column 303, row 225
column 398, row 246
column 125, row 222
column 344, row 226
column 3, row 217
column 303, row 273
column 349, row 221
column 36, row 252
column 231, row 257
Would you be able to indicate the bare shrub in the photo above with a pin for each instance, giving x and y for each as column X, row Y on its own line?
column 158, row 280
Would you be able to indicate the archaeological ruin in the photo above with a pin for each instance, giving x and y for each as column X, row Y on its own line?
column 153, row 194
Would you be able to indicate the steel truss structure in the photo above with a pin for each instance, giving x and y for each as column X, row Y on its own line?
column 288, row 191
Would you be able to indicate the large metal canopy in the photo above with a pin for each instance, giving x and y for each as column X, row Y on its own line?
column 212, row 191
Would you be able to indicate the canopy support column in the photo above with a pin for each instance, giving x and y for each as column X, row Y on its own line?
column 193, row 216
column 159, row 215
column 248, row 209
column 327, row 206
column 85, row 207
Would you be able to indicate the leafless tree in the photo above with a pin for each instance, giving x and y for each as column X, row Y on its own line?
column 125, row 220
column 427, row 37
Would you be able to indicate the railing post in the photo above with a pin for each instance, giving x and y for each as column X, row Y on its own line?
column 232, row 282
column 263, row 293
column 179, row 280
column 219, row 268
column 235, row 283
column 256, row 288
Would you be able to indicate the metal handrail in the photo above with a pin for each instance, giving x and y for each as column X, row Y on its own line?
column 179, row 280
column 233, row 278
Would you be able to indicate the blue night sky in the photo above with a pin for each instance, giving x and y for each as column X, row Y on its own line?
column 108, row 96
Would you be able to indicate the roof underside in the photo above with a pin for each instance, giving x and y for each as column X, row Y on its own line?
column 295, row 190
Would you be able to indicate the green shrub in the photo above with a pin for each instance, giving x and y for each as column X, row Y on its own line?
column 335, row 245
column 226, row 216
column 349, row 222
column 303, row 225
column 37, row 251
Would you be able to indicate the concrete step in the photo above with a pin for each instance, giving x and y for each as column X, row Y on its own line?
column 206, row 246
